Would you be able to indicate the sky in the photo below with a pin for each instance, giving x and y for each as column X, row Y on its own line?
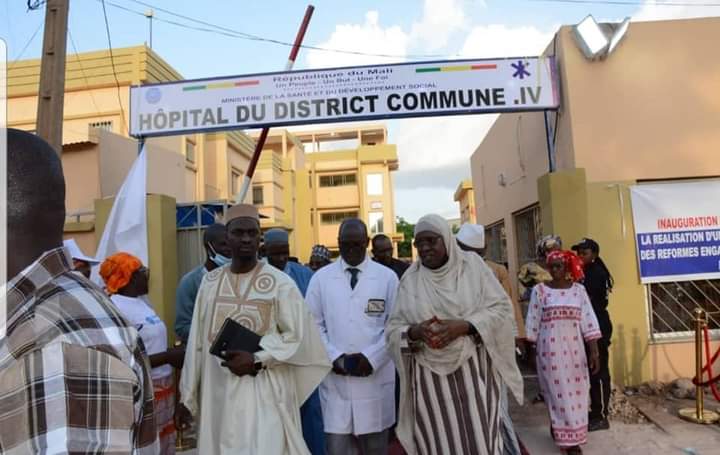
column 434, row 153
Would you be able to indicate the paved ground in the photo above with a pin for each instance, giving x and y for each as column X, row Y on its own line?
column 670, row 436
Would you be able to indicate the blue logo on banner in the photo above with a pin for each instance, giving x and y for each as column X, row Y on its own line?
column 153, row 95
column 679, row 253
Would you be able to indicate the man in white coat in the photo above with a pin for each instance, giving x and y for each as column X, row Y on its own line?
column 351, row 299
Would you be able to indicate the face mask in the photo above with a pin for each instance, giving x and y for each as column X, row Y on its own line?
column 219, row 259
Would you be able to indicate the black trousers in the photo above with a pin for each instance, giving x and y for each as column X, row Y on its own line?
column 600, row 387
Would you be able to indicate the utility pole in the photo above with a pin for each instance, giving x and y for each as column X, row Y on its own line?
column 51, row 93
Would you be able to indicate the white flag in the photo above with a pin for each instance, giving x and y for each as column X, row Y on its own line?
column 126, row 228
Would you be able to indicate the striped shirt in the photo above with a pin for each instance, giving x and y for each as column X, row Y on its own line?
column 74, row 377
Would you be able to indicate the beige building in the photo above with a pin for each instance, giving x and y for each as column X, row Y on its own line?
column 465, row 197
column 309, row 181
column 97, row 154
column 189, row 168
column 649, row 112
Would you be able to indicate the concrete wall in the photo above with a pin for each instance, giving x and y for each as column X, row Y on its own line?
column 84, row 235
column 81, row 107
column 514, row 150
column 640, row 114
column 610, row 223
column 336, row 197
column 676, row 359
column 573, row 209
column 651, row 110
column 81, row 165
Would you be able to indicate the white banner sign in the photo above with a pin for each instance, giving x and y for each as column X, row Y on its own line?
column 678, row 230
column 344, row 94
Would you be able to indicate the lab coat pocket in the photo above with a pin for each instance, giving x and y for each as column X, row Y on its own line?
column 368, row 415
column 375, row 320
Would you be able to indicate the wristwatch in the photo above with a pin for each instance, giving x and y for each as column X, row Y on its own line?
column 258, row 364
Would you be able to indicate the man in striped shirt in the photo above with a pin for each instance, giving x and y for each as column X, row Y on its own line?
column 74, row 376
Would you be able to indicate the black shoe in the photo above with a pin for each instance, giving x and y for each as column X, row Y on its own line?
column 597, row 425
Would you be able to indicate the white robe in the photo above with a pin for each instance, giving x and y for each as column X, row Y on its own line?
column 252, row 415
column 464, row 288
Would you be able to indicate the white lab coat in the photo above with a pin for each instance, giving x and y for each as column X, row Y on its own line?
column 353, row 405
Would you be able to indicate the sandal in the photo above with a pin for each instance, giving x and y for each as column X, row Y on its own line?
column 574, row 451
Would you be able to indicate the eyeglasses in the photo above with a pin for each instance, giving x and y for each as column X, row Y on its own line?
column 355, row 245
column 430, row 241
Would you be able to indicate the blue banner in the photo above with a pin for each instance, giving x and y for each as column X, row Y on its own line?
column 679, row 253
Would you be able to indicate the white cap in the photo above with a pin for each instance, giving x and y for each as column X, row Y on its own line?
column 472, row 235
column 77, row 253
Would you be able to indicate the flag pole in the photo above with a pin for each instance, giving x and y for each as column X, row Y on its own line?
column 264, row 133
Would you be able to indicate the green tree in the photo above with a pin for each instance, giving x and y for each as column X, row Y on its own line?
column 407, row 229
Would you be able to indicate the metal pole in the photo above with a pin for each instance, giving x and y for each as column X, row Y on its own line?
column 149, row 14
column 247, row 178
column 699, row 414
column 699, row 391
column 141, row 144
column 550, row 145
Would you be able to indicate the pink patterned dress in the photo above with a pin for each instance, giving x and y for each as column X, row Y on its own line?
column 559, row 321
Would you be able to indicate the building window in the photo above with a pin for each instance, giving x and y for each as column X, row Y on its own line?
column 374, row 184
column 258, row 196
column 496, row 243
column 235, row 181
column 672, row 306
column 336, row 217
column 338, row 180
column 528, row 230
column 105, row 126
column 375, row 220
column 189, row 151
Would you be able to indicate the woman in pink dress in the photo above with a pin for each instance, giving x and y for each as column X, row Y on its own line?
column 560, row 319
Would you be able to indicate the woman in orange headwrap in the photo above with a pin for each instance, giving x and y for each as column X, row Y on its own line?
column 127, row 282
column 560, row 317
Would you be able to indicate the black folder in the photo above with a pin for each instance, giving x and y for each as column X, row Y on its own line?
column 234, row 337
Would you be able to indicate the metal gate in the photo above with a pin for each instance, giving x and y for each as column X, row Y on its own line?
column 191, row 221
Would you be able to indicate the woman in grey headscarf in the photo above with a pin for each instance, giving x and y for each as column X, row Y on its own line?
column 451, row 337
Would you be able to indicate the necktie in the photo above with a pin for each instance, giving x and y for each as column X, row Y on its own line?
column 353, row 276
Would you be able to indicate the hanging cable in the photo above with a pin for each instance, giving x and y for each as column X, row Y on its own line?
column 225, row 31
column 82, row 70
column 626, row 2
column 32, row 38
column 112, row 63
